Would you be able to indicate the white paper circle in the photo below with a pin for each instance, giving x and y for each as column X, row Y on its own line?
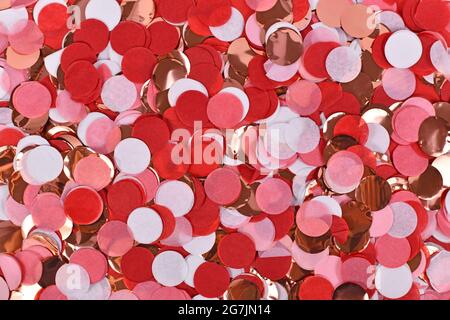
column 169, row 268
column 132, row 156
column 107, row 11
column 145, row 225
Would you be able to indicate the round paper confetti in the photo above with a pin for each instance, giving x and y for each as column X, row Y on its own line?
column 224, row 150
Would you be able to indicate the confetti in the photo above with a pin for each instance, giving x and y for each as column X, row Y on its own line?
column 224, row 150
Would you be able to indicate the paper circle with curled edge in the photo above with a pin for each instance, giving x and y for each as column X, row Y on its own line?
column 107, row 11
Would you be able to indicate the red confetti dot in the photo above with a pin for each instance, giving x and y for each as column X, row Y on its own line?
column 123, row 197
column 165, row 37
column 138, row 64
column 81, row 80
column 204, row 220
column 353, row 126
column 211, row 280
column 53, row 17
column 10, row 137
column 136, row 264
column 93, row 32
column 83, row 205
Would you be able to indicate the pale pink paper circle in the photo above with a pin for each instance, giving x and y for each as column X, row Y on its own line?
column 145, row 225
column 103, row 135
column 331, row 269
column 15, row 211
column 308, row 261
column 31, row 266
column 393, row 283
column 253, row 31
column 275, row 143
column 274, row 196
column 72, row 279
column 343, row 64
column 4, row 290
column 279, row 73
column 175, row 195
column 28, row 39
column 32, row 99
column 302, row 135
column 84, row 168
column 437, row 272
column 407, row 122
column 321, row 34
column 5, row 83
column 41, row 165
column 344, row 171
column 422, row 103
column 11, row 270
column 132, row 156
column 115, row 239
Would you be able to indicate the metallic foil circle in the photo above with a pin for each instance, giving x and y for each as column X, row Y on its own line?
column 284, row 46
column 350, row 291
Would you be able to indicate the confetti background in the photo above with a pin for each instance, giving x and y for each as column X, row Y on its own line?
column 224, row 149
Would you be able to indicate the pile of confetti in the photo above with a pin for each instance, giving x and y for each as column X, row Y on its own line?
column 224, row 149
